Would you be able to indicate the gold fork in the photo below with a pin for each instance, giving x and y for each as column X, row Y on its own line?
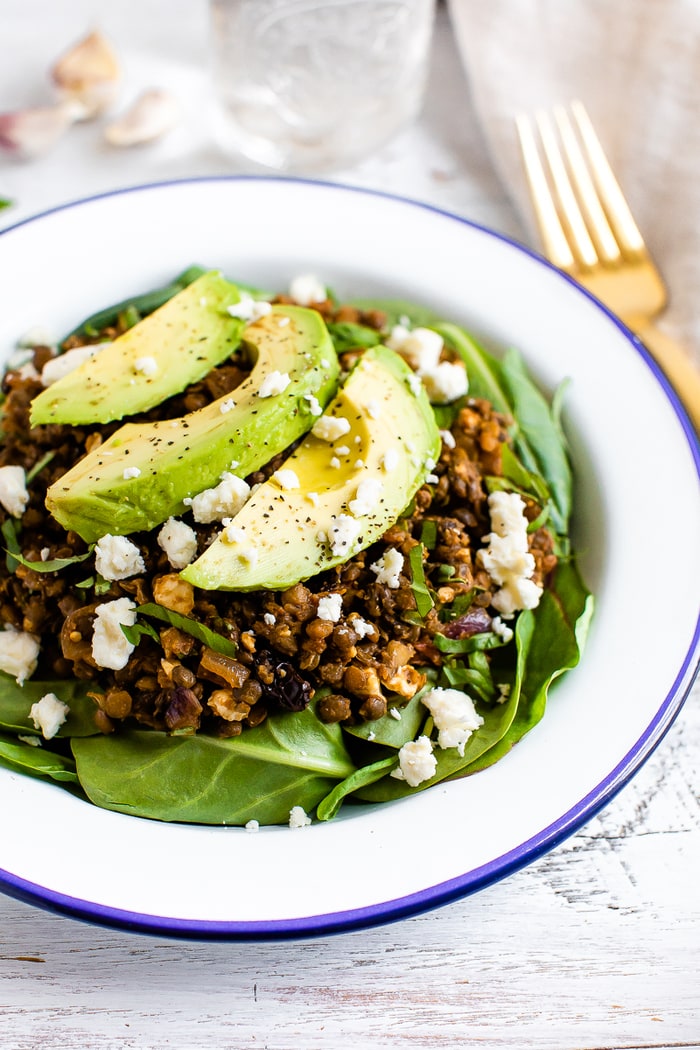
column 588, row 231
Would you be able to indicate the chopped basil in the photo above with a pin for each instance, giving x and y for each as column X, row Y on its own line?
column 424, row 600
column 51, row 564
column 203, row 634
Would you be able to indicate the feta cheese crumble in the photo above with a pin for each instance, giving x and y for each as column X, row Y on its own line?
column 223, row 501
column 454, row 715
column 366, row 497
column 249, row 309
column 388, row 568
column 306, row 289
column 13, row 490
column 19, row 653
column 330, row 428
column 343, row 533
column 273, row 384
column 179, row 541
column 506, row 557
column 330, row 607
column 110, row 646
column 131, row 472
column 298, row 817
column 362, row 628
column 286, row 478
column 270, row 619
column 63, row 364
column 446, row 382
column 252, row 825
column 146, row 366
column 48, row 714
column 314, row 404
column 227, row 405
column 117, row 558
column 421, row 347
column 416, row 762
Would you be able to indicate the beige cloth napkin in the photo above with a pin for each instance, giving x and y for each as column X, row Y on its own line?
column 636, row 66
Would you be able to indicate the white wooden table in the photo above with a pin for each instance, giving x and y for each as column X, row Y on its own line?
column 595, row 945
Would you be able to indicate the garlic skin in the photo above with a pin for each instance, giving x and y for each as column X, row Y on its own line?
column 88, row 75
column 154, row 113
column 29, row 133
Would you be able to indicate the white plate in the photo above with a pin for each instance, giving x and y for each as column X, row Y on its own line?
column 637, row 494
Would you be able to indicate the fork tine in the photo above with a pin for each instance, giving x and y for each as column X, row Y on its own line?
column 556, row 246
column 579, row 239
column 616, row 207
column 598, row 225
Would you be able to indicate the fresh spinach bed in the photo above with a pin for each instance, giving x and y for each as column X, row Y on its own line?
column 293, row 758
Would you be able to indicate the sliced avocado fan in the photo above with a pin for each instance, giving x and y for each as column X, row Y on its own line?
column 142, row 474
column 335, row 496
column 174, row 346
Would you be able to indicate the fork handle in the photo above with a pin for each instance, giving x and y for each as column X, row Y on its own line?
column 679, row 369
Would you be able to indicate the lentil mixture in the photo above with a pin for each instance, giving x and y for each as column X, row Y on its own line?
column 375, row 655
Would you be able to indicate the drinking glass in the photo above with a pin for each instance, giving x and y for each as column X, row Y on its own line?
column 316, row 85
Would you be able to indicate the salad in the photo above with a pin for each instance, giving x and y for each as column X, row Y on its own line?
column 267, row 555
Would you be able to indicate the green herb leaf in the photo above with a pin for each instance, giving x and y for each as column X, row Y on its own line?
column 135, row 633
column 485, row 640
column 9, row 532
column 424, row 600
column 428, row 536
column 51, row 564
column 210, row 638
column 39, row 466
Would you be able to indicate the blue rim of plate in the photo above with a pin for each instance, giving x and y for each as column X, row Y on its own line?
column 478, row 878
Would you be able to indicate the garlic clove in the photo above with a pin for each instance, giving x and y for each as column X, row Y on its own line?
column 88, row 75
column 153, row 114
column 29, row 133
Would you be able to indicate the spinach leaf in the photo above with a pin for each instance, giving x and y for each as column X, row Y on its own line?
column 204, row 634
column 141, row 305
column 329, row 806
column 349, row 336
column 550, row 640
column 393, row 732
column 537, row 430
column 16, row 700
column 290, row 760
column 542, row 430
column 450, row 763
column 36, row 761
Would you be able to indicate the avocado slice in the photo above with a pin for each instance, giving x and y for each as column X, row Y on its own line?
column 174, row 346
column 174, row 459
column 350, row 489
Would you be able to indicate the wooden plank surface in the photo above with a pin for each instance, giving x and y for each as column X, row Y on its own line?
column 596, row 945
